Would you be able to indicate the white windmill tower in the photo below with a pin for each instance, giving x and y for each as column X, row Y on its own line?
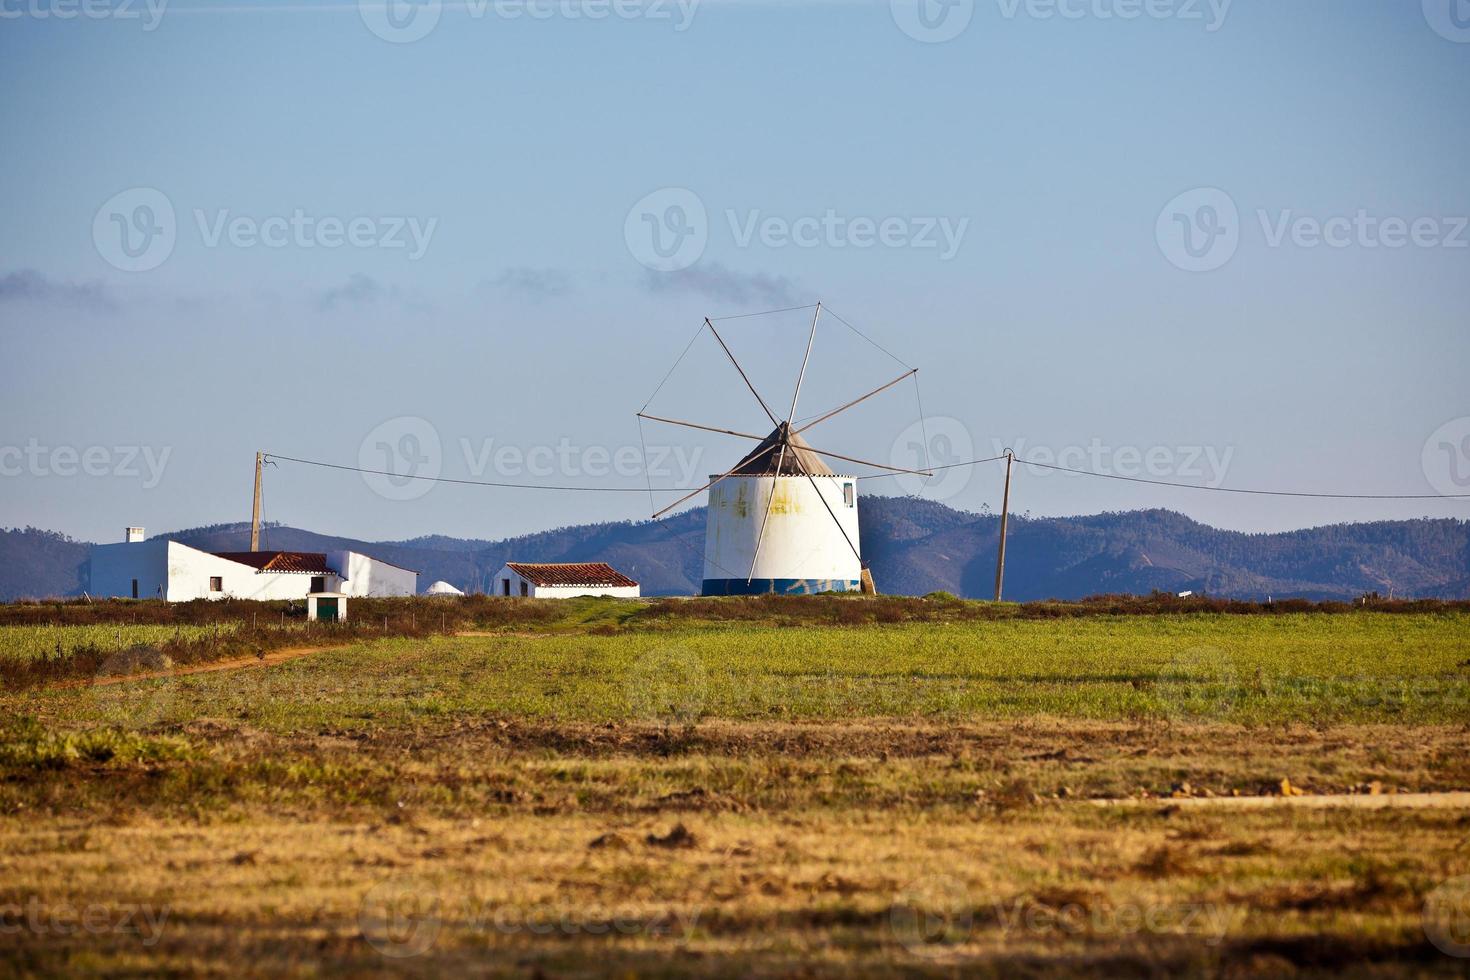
column 782, row 520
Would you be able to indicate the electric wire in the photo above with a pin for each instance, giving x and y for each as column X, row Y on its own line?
column 874, row 476
column 473, row 483
column 1267, row 493
column 653, row 508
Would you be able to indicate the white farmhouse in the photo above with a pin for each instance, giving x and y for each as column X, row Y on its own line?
column 563, row 581
column 164, row 569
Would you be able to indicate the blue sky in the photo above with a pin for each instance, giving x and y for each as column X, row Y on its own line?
column 1030, row 172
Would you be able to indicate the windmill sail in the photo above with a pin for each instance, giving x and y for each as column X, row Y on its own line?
column 782, row 520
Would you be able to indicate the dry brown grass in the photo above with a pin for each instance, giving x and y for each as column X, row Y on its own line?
column 489, row 807
column 884, row 847
column 1062, row 891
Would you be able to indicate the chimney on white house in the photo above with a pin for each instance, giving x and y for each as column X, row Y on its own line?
column 132, row 535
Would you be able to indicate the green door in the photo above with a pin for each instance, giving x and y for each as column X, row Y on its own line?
column 326, row 610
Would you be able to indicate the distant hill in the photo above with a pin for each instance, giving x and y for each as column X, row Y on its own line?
column 1139, row 551
column 41, row 563
column 914, row 546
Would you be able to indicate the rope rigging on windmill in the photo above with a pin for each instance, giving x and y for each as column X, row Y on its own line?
column 782, row 520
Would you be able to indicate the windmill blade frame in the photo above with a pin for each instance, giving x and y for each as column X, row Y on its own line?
column 696, row 425
column 857, row 401
column 743, row 376
column 711, row 483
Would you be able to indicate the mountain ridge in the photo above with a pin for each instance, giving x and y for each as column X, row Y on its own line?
column 914, row 546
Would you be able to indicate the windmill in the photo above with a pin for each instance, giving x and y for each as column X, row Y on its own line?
column 782, row 520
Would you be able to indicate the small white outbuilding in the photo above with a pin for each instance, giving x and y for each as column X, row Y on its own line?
column 442, row 587
column 563, row 581
column 326, row 607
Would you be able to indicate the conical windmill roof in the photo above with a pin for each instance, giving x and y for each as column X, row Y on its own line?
column 800, row 458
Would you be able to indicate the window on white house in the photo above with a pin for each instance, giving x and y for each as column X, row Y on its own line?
column 525, row 590
column 849, row 494
column 216, row 583
column 318, row 583
column 135, row 588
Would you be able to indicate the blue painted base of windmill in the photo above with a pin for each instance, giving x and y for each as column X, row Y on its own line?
column 778, row 586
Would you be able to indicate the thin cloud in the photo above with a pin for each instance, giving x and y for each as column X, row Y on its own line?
column 30, row 286
column 716, row 281
column 536, row 283
column 360, row 291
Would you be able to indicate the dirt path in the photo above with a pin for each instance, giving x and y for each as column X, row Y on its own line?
column 516, row 634
column 270, row 659
column 1455, row 800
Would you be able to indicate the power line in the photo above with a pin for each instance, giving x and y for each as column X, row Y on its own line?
column 502, row 484
column 970, row 462
column 932, row 469
column 472, row 483
column 507, row 485
column 1266, row 493
column 1196, row 486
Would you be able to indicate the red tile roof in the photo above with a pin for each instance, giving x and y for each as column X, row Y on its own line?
column 597, row 573
column 307, row 562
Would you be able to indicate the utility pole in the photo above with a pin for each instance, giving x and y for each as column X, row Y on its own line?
column 255, row 507
column 1005, row 512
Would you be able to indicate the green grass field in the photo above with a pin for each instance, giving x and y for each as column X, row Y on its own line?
column 1363, row 668
column 27, row 642
column 607, row 791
